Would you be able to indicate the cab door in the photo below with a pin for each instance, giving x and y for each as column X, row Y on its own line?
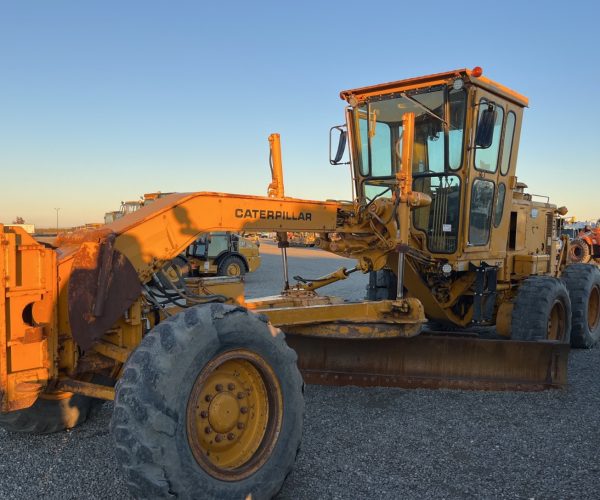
column 483, row 190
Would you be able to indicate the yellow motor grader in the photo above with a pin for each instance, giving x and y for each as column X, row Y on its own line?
column 207, row 391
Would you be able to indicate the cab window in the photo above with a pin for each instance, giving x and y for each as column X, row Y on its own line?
column 440, row 219
column 509, row 134
column 482, row 199
column 499, row 204
column 381, row 154
column 486, row 159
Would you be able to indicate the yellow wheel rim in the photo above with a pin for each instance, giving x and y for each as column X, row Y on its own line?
column 594, row 308
column 234, row 415
column 557, row 322
column 233, row 269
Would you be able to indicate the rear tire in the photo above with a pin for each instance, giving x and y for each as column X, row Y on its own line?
column 232, row 266
column 542, row 310
column 583, row 284
column 49, row 415
column 579, row 251
column 177, row 395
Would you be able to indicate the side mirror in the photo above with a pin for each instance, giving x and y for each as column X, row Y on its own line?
column 341, row 147
column 485, row 127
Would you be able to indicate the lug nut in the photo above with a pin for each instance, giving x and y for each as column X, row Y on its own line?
column 243, row 410
column 218, row 438
column 219, row 387
column 231, row 387
column 231, row 436
column 208, row 430
column 207, row 398
column 240, row 425
column 204, row 414
column 240, row 395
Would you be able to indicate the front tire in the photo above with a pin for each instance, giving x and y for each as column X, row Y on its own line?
column 583, row 284
column 210, row 405
column 382, row 285
column 542, row 310
column 232, row 266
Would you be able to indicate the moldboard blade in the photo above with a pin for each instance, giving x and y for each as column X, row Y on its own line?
column 432, row 361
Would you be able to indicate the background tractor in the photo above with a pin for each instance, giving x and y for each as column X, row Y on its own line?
column 222, row 254
column 207, row 392
column 586, row 246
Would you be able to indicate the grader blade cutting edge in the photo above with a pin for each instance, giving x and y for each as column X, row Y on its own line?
column 432, row 361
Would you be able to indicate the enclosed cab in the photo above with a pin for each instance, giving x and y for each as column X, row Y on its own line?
column 482, row 233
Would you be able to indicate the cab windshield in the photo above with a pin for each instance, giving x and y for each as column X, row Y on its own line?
column 437, row 154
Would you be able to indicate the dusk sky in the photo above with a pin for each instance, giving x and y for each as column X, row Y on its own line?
column 104, row 101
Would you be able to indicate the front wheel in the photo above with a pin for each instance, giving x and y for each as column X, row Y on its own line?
column 210, row 405
column 232, row 266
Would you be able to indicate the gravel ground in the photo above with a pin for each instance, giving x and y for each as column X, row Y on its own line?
column 371, row 443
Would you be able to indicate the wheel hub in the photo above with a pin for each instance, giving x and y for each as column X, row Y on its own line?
column 223, row 412
column 234, row 270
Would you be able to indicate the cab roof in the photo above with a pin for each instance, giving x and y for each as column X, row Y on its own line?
column 363, row 93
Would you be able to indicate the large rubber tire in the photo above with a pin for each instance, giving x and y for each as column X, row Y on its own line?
column 583, row 284
column 49, row 415
column 150, row 423
column 579, row 251
column 382, row 285
column 542, row 310
column 232, row 266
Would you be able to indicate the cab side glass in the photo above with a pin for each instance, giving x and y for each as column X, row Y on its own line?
column 364, row 149
column 508, row 140
column 458, row 108
column 381, row 154
column 482, row 199
column 485, row 127
column 499, row 209
column 491, row 117
column 379, row 145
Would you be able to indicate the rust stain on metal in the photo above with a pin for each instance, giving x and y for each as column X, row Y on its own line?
column 103, row 284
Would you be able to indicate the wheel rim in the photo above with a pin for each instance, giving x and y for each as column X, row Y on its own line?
column 234, row 269
column 557, row 321
column 234, row 415
column 594, row 308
